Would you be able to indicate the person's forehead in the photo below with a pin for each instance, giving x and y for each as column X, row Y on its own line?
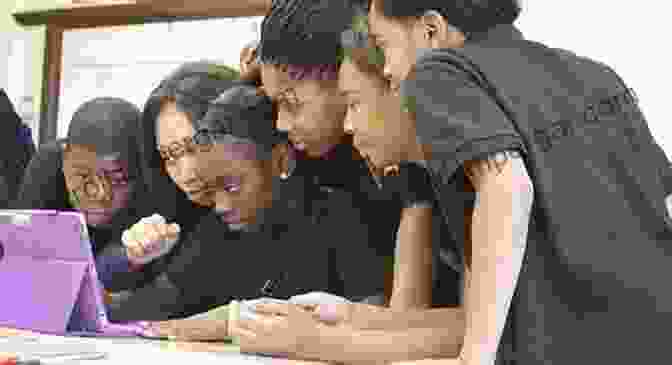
column 172, row 124
column 275, row 80
column 278, row 84
column 85, row 156
column 378, row 24
column 354, row 82
column 373, row 17
column 227, row 159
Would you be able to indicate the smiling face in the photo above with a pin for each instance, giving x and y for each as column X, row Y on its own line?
column 174, row 137
column 311, row 110
column 383, row 133
column 100, row 184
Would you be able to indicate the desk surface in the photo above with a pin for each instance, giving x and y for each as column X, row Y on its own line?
column 144, row 351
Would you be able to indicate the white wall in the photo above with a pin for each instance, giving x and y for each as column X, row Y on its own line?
column 16, row 76
column 4, row 58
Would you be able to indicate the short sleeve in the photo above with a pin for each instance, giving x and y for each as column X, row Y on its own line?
column 456, row 119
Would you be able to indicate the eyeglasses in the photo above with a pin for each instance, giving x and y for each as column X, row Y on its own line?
column 178, row 149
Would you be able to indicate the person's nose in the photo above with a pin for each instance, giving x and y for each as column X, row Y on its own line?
column 387, row 72
column 187, row 168
column 348, row 125
column 223, row 202
column 285, row 121
column 98, row 189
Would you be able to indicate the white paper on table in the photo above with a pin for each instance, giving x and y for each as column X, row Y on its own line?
column 148, row 353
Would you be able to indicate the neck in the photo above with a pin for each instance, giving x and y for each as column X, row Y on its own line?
column 415, row 152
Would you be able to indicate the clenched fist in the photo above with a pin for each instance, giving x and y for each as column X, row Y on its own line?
column 149, row 239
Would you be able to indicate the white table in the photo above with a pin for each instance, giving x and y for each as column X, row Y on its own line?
column 136, row 351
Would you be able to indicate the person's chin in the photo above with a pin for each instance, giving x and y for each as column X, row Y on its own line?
column 97, row 219
column 319, row 151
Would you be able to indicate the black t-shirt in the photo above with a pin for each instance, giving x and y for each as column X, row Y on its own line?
column 345, row 170
column 303, row 246
column 591, row 289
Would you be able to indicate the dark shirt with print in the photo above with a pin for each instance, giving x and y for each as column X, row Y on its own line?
column 591, row 289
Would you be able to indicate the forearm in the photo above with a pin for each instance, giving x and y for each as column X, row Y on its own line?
column 499, row 234
column 344, row 345
column 208, row 326
column 413, row 260
column 367, row 317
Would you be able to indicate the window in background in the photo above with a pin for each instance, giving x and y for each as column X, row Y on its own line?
column 128, row 62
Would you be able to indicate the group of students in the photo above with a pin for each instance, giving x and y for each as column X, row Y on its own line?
column 414, row 178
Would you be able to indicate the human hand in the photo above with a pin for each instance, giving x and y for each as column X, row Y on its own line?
column 190, row 329
column 326, row 307
column 150, row 239
column 280, row 329
column 250, row 69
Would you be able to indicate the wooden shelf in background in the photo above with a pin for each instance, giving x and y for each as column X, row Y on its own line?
column 140, row 12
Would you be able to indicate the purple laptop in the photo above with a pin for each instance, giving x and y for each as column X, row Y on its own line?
column 48, row 275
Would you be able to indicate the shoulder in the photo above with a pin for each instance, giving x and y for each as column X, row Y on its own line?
column 47, row 161
column 587, row 68
column 51, row 151
column 437, row 70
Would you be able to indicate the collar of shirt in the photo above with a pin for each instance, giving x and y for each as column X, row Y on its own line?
column 498, row 33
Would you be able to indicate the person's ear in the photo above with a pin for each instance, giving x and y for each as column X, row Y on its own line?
column 438, row 32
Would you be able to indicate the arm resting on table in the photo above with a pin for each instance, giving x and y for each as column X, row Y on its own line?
column 368, row 317
column 343, row 345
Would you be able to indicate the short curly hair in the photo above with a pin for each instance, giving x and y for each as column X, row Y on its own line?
column 305, row 36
